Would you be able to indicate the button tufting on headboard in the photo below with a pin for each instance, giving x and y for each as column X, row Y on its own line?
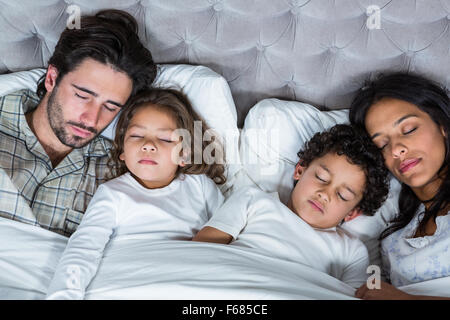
column 218, row 6
column 315, row 51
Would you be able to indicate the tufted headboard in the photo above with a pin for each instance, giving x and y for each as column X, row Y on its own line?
column 314, row 51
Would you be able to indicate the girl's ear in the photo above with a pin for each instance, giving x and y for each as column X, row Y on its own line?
column 50, row 78
column 353, row 214
column 122, row 156
column 299, row 170
column 183, row 159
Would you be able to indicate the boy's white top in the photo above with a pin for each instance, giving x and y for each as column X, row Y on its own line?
column 122, row 207
column 257, row 219
column 409, row 260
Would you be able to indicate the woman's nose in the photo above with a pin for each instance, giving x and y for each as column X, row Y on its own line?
column 399, row 150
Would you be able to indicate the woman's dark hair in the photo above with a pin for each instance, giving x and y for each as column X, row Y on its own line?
column 109, row 37
column 428, row 96
column 359, row 150
column 177, row 106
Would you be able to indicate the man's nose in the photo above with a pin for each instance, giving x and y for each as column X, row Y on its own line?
column 91, row 115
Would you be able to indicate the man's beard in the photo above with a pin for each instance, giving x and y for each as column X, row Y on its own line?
column 57, row 123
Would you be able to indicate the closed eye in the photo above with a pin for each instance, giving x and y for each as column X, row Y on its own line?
column 81, row 97
column 381, row 147
column 165, row 140
column 320, row 178
column 109, row 109
column 410, row 131
column 340, row 196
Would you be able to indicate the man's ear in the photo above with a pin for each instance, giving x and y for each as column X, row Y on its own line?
column 353, row 214
column 50, row 78
column 299, row 170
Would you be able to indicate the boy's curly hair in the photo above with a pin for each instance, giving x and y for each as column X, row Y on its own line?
column 359, row 149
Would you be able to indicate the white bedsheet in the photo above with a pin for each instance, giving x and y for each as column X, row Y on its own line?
column 136, row 268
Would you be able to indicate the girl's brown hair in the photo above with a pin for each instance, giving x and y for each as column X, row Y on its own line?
column 179, row 107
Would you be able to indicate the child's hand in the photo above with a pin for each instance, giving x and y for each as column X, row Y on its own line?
column 386, row 292
column 210, row 234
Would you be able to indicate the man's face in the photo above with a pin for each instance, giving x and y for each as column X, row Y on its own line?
column 85, row 101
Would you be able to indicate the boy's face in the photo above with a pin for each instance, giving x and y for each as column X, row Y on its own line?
column 327, row 191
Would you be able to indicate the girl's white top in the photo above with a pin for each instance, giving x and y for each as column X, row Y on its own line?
column 409, row 260
column 123, row 208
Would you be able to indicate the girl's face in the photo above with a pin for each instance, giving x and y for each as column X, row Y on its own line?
column 148, row 145
column 413, row 145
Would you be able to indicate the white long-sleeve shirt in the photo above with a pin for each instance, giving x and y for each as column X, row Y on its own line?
column 121, row 208
column 256, row 219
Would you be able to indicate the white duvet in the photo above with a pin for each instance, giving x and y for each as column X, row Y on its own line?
column 136, row 268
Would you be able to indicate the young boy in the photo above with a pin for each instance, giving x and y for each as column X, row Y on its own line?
column 340, row 175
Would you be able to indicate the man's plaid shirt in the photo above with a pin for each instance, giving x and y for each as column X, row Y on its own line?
column 31, row 190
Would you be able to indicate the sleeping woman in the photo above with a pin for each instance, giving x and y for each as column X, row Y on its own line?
column 407, row 117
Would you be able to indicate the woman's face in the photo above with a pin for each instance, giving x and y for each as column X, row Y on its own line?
column 413, row 145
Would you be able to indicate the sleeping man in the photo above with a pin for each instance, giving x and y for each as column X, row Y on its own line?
column 51, row 153
column 339, row 176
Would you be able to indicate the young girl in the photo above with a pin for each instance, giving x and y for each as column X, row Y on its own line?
column 157, row 193
column 408, row 118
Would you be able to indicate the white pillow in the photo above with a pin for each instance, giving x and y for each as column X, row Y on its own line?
column 207, row 91
column 274, row 131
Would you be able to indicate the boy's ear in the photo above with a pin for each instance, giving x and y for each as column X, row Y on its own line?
column 299, row 170
column 353, row 214
column 50, row 78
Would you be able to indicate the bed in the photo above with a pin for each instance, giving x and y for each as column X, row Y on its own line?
column 292, row 71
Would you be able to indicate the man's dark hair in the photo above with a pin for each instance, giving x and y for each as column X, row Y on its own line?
column 109, row 37
column 359, row 150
